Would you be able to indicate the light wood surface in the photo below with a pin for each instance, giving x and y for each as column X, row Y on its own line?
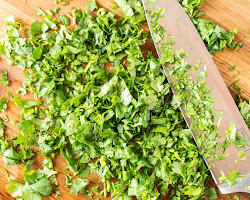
column 228, row 13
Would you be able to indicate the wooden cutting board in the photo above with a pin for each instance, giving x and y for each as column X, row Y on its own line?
column 229, row 14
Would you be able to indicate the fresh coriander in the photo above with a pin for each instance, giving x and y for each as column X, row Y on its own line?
column 127, row 118
column 231, row 68
column 236, row 75
column 211, row 193
column 56, row 10
column 6, row 172
column 92, row 5
column 4, row 79
column 3, row 104
column 114, row 6
column 241, row 153
column 79, row 186
column 236, row 197
column 21, row 91
column 40, row 12
column 64, row 20
column 231, row 179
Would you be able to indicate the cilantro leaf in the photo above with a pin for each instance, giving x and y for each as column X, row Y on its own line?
column 211, row 193
column 4, row 79
column 64, row 19
column 36, row 28
column 231, row 179
column 92, row 5
column 126, row 9
column 21, row 91
column 56, row 10
column 231, row 68
column 79, row 186
column 42, row 187
column 3, row 104
column 40, row 12
column 236, row 197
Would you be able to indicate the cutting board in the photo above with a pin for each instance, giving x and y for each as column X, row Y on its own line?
column 229, row 14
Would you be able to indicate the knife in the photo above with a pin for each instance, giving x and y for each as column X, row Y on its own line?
column 177, row 23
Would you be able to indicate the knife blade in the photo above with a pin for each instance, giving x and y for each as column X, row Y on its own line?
column 177, row 23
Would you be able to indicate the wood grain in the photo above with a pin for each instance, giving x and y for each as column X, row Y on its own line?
column 227, row 13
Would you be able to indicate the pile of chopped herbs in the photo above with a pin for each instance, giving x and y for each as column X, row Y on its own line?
column 215, row 37
column 123, row 123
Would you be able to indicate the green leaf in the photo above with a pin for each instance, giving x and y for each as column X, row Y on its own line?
column 107, row 86
column 241, row 153
column 236, row 197
column 24, row 103
column 42, row 187
column 40, row 12
column 126, row 9
column 79, row 186
column 64, row 20
column 126, row 96
column 3, row 104
column 231, row 68
column 25, row 137
column 92, row 5
column 11, row 157
column 4, row 79
column 211, row 193
column 21, row 91
column 56, row 10
column 37, row 53
column 193, row 190
column 231, row 179
column 36, row 28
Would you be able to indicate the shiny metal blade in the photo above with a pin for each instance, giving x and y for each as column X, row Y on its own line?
column 177, row 23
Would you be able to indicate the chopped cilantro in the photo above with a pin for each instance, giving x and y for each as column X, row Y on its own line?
column 244, row 158
column 244, row 108
column 92, row 5
column 6, row 118
column 3, row 104
column 241, row 153
column 231, row 179
column 126, row 8
column 56, row 10
column 36, row 186
column 36, row 28
column 10, row 95
column 49, row 12
column 215, row 37
column 6, row 172
column 211, row 193
column 4, row 79
column 21, row 91
column 64, row 20
column 79, row 186
column 231, row 68
column 95, row 189
column 127, row 119
column 236, row 197
column 40, row 12
column 236, row 88
column 114, row 6
column 238, row 73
